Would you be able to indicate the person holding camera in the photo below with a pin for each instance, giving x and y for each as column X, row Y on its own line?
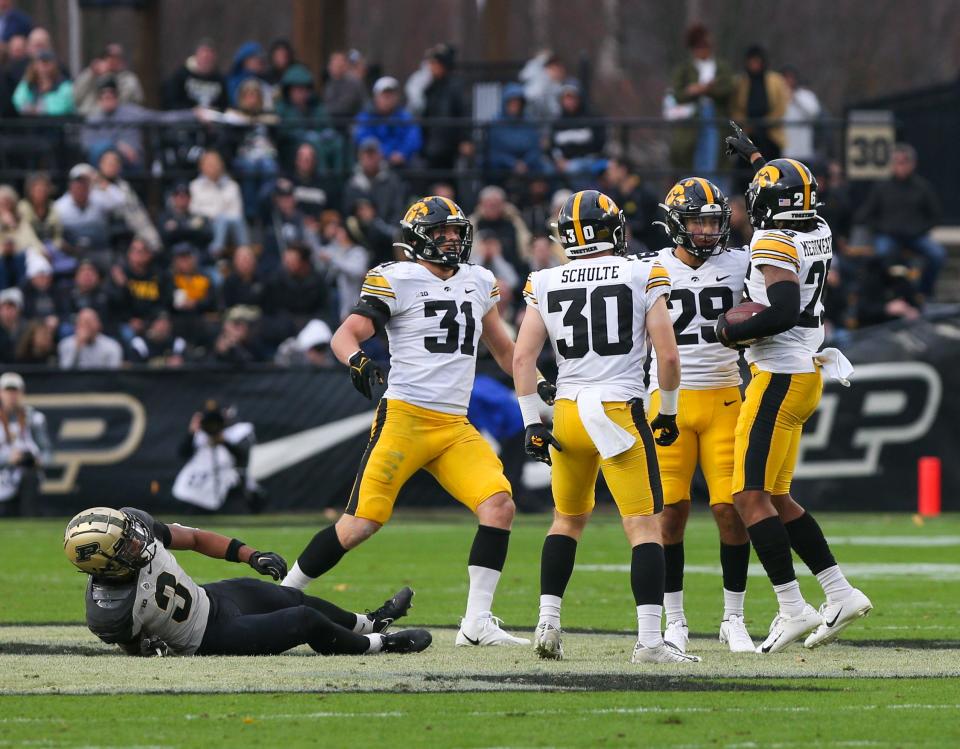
column 24, row 449
column 218, row 455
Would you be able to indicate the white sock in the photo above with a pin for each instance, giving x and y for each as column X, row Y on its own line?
column 364, row 625
column 296, row 579
column 648, row 625
column 790, row 598
column 673, row 605
column 376, row 642
column 483, row 584
column 550, row 610
column 733, row 603
column 834, row 584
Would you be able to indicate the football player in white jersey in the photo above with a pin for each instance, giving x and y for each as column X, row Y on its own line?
column 790, row 256
column 138, row 596
column 707, row 279
column 597, row 312
column 435, row 310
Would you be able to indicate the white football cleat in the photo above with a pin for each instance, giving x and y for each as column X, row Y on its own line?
column 787, row 629
column 663, row 653
column 677, row 634
column 487, row 632
column 837, row 617
column 547, row 642
column 733, row 632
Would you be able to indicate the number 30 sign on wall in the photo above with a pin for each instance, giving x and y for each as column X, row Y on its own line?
column 870, row 138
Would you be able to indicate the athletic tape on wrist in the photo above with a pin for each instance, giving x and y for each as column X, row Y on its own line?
column 668, row 401
column 529, row 408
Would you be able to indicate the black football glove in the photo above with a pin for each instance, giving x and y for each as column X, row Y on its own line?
column 723, row 335
column 739, row 144
column 547, row 391
column 537, row 441
column 268, row 563
column 153, row 647
column 365, row 373
column 667, row 425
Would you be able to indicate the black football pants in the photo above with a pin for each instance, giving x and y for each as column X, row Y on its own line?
column 254, row 617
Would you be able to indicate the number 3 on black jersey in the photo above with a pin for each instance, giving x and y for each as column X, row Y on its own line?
column 596, row 330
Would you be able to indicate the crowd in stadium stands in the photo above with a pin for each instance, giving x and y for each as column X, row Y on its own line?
column 291, row 188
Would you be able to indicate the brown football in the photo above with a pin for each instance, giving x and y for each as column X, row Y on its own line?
column 743, row 312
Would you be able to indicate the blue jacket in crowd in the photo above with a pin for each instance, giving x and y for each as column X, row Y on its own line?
column 513, row 139
column 394, row 136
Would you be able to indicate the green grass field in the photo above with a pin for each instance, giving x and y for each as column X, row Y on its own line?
column 892, row 681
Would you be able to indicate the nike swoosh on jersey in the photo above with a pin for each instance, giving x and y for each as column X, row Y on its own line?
column 728, row 403
column 277, row 455
column 721, row 278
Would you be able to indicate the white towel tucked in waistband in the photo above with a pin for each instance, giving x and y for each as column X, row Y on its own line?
column 608, row 436
column 835, row 365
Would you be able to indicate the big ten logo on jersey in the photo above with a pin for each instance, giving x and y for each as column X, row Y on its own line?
column 889, row 404
column 88, row 429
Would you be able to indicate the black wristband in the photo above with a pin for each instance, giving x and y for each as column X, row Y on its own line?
column 233, row 549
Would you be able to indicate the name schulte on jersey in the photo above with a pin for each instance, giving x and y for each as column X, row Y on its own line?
column 600, row 273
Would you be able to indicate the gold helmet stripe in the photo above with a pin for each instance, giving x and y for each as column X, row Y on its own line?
column 706, row 188
column 806, row 182
column 577, row 226
column 450, row 204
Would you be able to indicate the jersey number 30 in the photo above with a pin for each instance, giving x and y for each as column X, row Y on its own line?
column 594, row 332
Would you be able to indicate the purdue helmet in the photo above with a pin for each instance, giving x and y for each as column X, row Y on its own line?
column 590, row 222
column 108, row 543
column 696, row 198
column 419, row 222
column 783, row 190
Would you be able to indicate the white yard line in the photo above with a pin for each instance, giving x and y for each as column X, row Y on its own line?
column 865, row 570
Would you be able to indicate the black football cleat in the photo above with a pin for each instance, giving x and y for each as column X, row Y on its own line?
column 391, row 610
column 407, row 641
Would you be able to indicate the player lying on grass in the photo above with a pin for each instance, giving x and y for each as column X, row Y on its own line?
column 139, row 597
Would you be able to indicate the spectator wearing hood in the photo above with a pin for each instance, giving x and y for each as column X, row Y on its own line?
column 443, row 98
column 13, row 21
column 388, row 122
column 112, row 63
column 576, row 143
column 760, row 99
column 303, row 119
column 513, row 143
column 374, row 180
column 343, row 94
column 198, row 82
column 249, row 62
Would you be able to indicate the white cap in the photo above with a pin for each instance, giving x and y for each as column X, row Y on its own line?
column 80, row 171
column 38, row 265
column 387, row 83
column 11, row 381
column 315, row 333
column 13, row 296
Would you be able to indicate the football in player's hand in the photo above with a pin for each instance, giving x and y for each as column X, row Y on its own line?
column 743, row 312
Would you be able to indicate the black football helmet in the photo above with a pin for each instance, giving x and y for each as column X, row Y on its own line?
column 419, row 223
column 590, row 222
column 695, row 198
column 783, row 190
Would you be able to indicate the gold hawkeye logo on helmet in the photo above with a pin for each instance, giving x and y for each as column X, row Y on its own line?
column 768, row 176
column 416, row 210
column 677, row 195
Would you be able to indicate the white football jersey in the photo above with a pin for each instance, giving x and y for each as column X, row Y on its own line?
column 170, row 605
column 595, row 313
column 433, row 329
column 808, row 254
column 698, row 298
